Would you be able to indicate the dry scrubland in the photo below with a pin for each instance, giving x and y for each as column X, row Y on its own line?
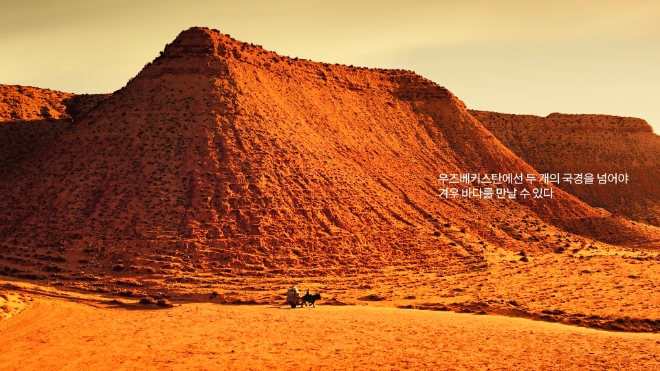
column 224, row 173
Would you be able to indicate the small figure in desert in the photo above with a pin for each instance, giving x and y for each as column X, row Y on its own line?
column 294, row 291
column 310, row 299
column 293, row 296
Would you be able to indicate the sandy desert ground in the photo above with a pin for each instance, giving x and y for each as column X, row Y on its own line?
column 364, row 321
column 76, row 335
column 600, row 286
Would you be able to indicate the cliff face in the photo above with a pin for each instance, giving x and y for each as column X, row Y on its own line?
column 237, row 157
column 596, row 144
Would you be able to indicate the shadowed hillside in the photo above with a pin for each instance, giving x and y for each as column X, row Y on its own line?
column 31, row 118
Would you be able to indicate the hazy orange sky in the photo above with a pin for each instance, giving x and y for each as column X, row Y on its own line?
column 515, row 56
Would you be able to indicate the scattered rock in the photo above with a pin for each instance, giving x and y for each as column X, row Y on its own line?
column 164, row 303
column 147, row 300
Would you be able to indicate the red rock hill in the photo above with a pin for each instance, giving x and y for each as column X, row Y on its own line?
column 237, row 157
column 597, row 144
column 29, row 119
column 32, row 118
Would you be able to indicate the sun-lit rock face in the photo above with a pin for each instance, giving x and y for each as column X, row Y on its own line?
column 595, row 144
column 233, row 156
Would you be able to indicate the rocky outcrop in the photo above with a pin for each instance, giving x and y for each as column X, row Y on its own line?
column 595, row 144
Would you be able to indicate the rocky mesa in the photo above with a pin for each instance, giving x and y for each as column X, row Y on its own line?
column 221, row 156
column 595, row 144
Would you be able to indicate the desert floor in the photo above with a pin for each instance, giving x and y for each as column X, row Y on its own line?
column 586, row 309
column 52, row 333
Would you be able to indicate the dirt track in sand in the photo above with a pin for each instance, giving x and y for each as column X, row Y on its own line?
column 57, row 334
